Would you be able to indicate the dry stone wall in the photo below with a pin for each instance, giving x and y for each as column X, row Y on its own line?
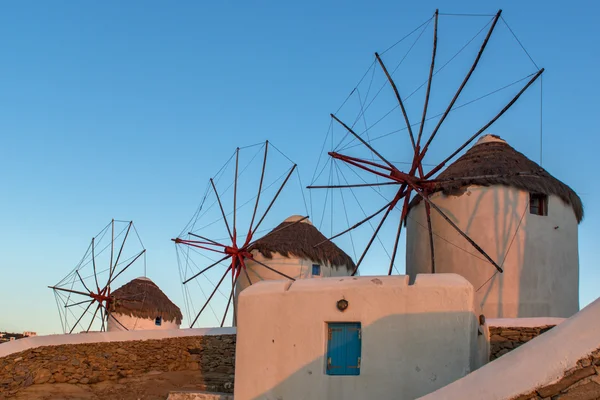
column 579, row 383
column 505, row 339
column 211, row 356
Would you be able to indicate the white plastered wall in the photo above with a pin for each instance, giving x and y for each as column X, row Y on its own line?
column 9, row 348
column 137, row 323
column 539, row 254
column 537, row 363
column 415, row 339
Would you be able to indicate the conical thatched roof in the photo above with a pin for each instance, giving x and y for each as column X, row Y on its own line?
column 141, row 298
column 493, row 156
column 298, row 240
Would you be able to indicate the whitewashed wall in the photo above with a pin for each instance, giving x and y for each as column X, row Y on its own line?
column 99, row 337
column 137, row 324
column 539, row 254
column 537, row 363
column 415, row 339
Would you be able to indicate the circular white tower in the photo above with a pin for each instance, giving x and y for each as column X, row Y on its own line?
column 290, row 249
column 141, row 305
column 526, row 223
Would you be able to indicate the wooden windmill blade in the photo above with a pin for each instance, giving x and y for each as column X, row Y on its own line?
column 235, row 250
column 415, row 181
column 84, row 296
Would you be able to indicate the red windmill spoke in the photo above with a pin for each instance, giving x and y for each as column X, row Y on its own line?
column 94, row 264
column 70, row 291
column 362, row 160
column 82, row 282
column 206, row 269
column 125, row 268
column 352, row 186
column 364, row 142
column 235, row 182
column 113, row 267
column 221, row 207
column 389, row 209
column 464, row 82
column 463, row 234
column 112, row 246
column 197, row 244
column 246, row 271
column 230, row 298
column 359, row 163
column 430, row 229
column 273, row 201
column 210, row 297
column 480, row 131
column 203, row 242
column 428, row 90
column 79, row 303
column 400, row 223
column 93, row 318
column 262, row 177
column 207, row 239
column 82, row 315
column 393, row 84
column 357, row 224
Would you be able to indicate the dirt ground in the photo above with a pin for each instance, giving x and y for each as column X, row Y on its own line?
column 152, row 386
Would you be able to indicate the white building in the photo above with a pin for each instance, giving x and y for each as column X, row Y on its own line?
column 290, row 249
column 356, row 337
column 141, row 305
column 527, row 224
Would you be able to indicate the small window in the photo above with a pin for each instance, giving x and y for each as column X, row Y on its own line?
column 158, row 321
column 316, row 270
column 538, row 204
column 343, row 348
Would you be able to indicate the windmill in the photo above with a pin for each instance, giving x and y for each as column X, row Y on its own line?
column 232, row 215
column 84, row 296
column 403, row 184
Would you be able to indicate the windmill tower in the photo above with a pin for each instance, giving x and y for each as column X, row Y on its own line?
column 517, row 213
column 141, row 305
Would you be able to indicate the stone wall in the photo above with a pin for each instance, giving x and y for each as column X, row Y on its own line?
column 212, row 356
column 579, row 383
column 505, row 339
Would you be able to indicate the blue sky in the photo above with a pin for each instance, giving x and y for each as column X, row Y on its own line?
column 114, row 110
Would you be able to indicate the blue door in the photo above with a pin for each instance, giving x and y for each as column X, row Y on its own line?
column 343, row 348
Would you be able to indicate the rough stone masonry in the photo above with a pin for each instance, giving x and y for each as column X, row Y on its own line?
column 505, row 339
column 95, row 362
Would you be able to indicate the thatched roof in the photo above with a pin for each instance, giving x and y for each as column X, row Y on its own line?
column 298, row 240
column 141, row 298
column 493, row 156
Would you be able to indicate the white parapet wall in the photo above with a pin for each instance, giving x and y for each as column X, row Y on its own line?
column 538, row 363
column 17, row 346
column 414, row 339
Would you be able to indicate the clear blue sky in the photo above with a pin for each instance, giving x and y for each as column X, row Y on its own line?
column 125, row 109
